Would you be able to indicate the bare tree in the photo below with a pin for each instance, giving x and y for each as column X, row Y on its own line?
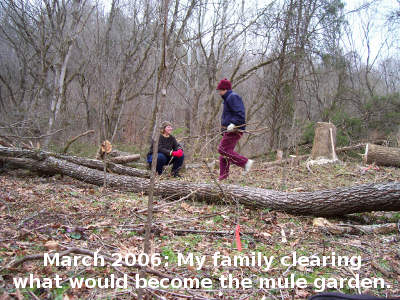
column 48, row 30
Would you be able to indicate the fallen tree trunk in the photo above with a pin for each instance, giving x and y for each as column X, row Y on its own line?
column 362, row 198
column 383, row 156
column 87, row 162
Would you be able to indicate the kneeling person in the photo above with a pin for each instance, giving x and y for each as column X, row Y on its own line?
column 169, row 151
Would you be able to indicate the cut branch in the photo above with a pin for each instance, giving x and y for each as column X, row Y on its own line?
column 74, row 139
column 125, row 159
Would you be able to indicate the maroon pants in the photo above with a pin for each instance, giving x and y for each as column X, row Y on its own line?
column 228, row 156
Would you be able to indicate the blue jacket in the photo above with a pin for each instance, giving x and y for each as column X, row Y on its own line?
column 233, row 111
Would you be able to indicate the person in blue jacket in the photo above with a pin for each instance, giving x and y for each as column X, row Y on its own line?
column 169, row 151
column 233, row 120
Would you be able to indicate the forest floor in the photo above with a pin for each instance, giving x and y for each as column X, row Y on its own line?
column 51, row 214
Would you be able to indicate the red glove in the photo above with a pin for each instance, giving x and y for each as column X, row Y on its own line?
column 177, row 153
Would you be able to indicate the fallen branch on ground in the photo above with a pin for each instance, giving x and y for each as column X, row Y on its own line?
column 355, row 229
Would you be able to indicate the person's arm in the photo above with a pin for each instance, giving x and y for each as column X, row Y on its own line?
column 176, row 145
column 237, row 108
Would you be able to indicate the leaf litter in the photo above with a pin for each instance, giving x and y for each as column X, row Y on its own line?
column 42, row 214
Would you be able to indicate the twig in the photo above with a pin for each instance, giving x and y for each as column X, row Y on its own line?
column 268, row 292
column 398, row 226
column 29, row 218
column 354, row 275
column 287, row 271
column 74, row 139
column 205, row 231
column 381, row 269
column 138, row 216
column 170, row 203
column 33, row 295
column 217, row 183
column 105, row 170
column 8, row 208
column 134, row 227
column 33, row 137
column 255, row 130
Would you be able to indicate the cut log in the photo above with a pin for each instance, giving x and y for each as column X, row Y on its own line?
column 125, row 159
column 117, row 156
column 362, row 198
column 383, row 156
column 116, row 153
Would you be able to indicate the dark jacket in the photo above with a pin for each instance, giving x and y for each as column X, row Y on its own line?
column 166, row 145
column 233, row 111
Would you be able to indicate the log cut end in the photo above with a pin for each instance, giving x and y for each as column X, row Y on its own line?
column 381, row 155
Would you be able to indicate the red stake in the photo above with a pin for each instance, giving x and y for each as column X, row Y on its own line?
column 237, row 235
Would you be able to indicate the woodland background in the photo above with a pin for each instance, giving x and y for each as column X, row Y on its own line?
column 70, row 66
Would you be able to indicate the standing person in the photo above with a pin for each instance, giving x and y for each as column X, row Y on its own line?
column 233, row 118
column 169, row 151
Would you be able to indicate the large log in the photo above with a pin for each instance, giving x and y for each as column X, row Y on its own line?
column 87, row 162
column 383, row 156
column 362, row 198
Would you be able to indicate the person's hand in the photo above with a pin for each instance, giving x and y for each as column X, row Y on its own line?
column 230, row 127
column 177, row 153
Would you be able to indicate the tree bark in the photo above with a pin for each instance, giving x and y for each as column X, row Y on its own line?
column 125, row 159
column 341, row 201
column 383, row 156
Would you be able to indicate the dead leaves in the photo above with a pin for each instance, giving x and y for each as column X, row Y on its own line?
column 107, row 222
column 52, row 245
column 106, row 147
column 187, row 207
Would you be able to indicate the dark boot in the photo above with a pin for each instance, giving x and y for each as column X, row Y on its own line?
column 175, row 173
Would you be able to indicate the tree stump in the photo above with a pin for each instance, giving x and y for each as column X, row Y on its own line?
column 324, row 141
column 383, row 156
